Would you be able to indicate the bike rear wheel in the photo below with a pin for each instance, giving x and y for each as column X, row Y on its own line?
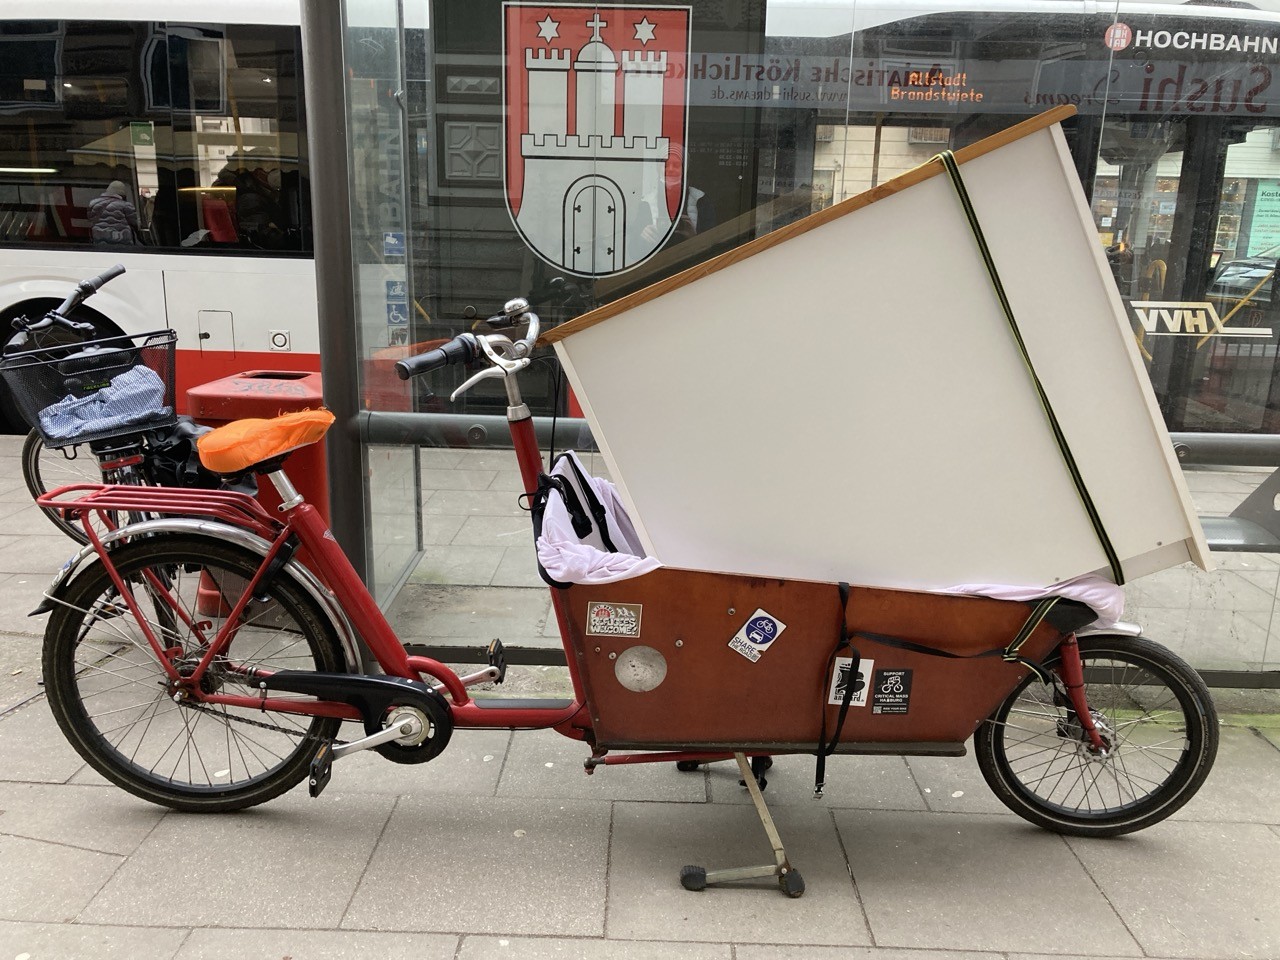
column 1155, row 715
column 46, row 468
column 114, row 702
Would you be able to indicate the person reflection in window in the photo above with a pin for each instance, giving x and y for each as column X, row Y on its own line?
column 697, row 215
column 113, row 217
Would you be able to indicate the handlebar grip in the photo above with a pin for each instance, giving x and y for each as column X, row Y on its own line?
column 106, row 276
column 87, row 288
column 461, row 349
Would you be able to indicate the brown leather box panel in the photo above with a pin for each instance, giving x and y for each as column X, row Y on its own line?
column 713, row 696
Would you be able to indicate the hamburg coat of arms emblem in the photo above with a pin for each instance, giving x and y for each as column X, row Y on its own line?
column 596, row 114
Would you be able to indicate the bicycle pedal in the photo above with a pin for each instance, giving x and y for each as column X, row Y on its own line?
column 497, row 659
column 321, row 770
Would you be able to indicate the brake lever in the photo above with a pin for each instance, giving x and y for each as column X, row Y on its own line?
column 502, row 366
column 485, row 374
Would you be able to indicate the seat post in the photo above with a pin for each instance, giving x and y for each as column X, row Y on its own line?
column 289, row 496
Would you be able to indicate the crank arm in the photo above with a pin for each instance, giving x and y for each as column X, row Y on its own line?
column 406, row 727
column 486, row 675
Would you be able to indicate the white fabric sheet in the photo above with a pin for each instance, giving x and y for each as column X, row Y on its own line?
column 570, row 559
column 1102, row 596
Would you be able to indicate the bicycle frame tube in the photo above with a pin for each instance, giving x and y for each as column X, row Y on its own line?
column 529, row 458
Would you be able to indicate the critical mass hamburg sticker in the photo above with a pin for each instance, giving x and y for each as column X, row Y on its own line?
column 614, row 619
column 757, row 635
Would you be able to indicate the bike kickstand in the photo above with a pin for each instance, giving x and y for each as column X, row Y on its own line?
column 789, row 879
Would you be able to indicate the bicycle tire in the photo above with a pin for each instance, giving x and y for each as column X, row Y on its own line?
column 1162, row 743
column 97, row 663
column 46, row 468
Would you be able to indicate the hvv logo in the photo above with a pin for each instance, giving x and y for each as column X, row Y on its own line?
column 1172, row 318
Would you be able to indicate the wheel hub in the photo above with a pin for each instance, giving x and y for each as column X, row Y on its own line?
column 1070, row 728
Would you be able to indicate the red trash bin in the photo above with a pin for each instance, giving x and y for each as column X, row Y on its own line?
column 264, row 394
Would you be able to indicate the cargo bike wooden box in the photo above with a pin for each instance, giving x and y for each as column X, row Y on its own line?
column 971, row 451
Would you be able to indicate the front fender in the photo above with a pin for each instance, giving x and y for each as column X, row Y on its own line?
column 299, row 574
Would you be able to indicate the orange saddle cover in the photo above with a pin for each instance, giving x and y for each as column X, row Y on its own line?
column 237, row 446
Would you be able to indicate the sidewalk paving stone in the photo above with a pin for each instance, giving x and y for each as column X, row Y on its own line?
column 942, row 778
column 1160, row 880
column 104, row 819
column 82, row 941
column 24, row 522
column 652, row 841
column 291, row 863
column 453, row 564
column 970, row 882
column 33, row 749
column 19, row 669
column 517, row 948
column 439, row 530
column 19, row 595
column 767, row 952
column 544, row 764
column 473, row 503
column 440, row 458
column 503, row 531
column 435, row 478
column 476, row 864
column 470, row 765
column 1244, row 784
column 43, row 555
column 518, row 568
column 243, row 944
column 49, row 882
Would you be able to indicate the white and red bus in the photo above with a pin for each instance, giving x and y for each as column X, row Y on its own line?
column 193, row 134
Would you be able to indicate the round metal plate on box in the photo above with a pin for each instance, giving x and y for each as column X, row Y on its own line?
column 640, row 669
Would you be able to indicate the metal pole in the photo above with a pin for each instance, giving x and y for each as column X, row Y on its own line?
column 326, row 103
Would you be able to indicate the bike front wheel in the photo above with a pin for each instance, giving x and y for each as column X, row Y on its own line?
column 114, row 702
column 1155, row 716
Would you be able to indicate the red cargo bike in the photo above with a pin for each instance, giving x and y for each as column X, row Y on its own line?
column 194, row 661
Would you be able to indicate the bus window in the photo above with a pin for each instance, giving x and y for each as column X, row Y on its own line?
column 184, row 137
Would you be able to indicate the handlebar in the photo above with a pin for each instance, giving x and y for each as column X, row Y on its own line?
column 506, row 356
column 87, row 288
column 461, row 349
column 21, row 340
column 58, row 315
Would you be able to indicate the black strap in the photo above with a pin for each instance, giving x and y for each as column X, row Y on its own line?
column 948, row 160
column 1008, row 653
column 593, row 503
column 825, row 749
column 537, row 507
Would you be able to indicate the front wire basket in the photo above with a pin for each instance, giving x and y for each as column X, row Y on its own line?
column 96, row 389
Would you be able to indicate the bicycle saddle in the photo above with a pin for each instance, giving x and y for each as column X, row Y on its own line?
column 241, row 446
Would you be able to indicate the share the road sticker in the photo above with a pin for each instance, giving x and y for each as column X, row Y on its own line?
column 757, row 635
